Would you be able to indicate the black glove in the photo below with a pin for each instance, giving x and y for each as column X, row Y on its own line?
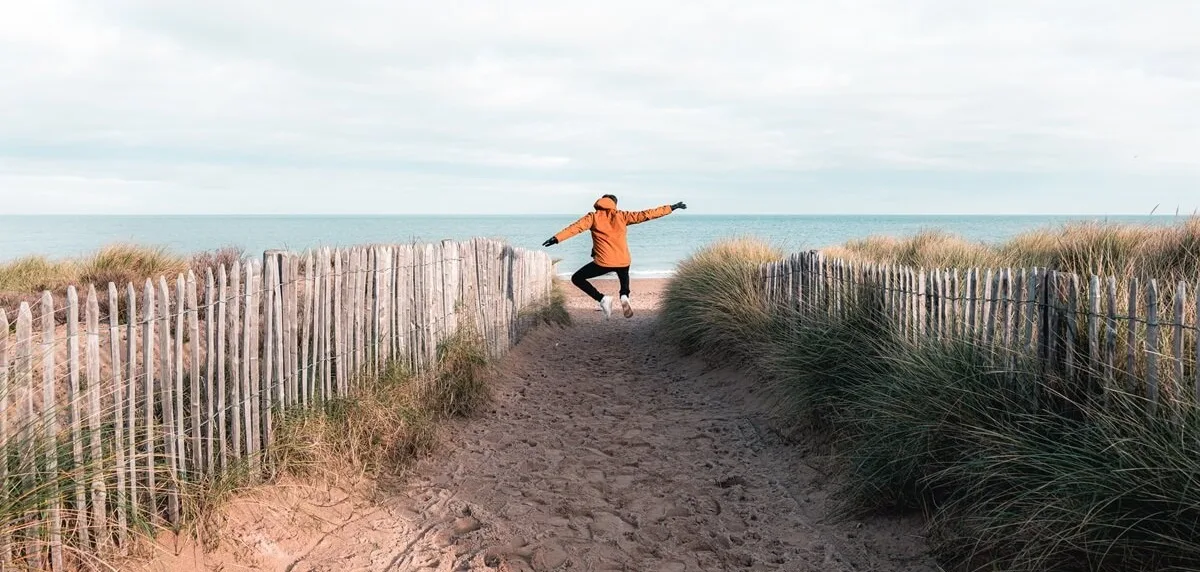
column 550, row 242
column 678, row 205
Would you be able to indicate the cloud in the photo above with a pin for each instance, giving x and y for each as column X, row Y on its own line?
column 861, row 106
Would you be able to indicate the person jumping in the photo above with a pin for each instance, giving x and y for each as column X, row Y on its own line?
column 610, row 250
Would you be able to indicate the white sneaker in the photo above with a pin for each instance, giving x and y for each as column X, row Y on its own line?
column 606, row 306
column 625, row 306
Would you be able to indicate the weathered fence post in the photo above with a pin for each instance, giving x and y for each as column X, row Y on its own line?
column 1152, row 350
column 99, row 492
column 74, row 405
column 1178, row 383
column 50, row 437
column 1132, row 337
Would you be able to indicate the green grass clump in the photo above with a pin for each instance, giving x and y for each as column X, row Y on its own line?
column 553, row 311
column 715, row 304
column 814, row 367
column 1012, row 473
column 1114, row 490
column 457, row 388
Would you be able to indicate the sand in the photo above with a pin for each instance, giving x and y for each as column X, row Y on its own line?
column 603, row 450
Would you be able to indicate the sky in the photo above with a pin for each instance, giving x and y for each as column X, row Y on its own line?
column 529, row 107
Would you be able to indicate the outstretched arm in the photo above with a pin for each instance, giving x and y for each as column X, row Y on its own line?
column 651, row 214
column 581, row 225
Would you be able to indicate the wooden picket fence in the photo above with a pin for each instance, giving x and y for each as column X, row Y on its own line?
column 106, row 420
column 1099, row 334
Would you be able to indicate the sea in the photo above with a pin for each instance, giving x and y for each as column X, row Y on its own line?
column 657, row 246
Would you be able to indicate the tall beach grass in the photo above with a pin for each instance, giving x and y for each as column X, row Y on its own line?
column 1011, row 472
column 708, row 305
column 1167, row 253
column 24, row 279
column 388, row 421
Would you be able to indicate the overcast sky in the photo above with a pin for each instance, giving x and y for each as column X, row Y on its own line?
column 799, row 106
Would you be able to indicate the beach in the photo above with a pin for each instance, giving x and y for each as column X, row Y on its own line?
column 602, row 450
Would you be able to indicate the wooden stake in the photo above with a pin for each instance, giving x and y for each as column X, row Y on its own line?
column 167, row 401
column 121, row 393
column 50, row 425
column 223, row 367
column 148, row 367
column 96, row 456
column 198, row 459
column 75, row 402
column 1152, row 350
column 210, row 373
column 1131, row 345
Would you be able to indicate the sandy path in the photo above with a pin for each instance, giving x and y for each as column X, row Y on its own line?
column 601, row 452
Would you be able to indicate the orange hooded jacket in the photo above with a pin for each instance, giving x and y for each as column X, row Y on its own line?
column 609, row 246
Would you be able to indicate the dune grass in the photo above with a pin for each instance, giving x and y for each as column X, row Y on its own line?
column 457, row 388
column 36, row 273
column 1105, row 249
column 24, row 279
column 553, row 311
column 126, row 263
column 1010, row 473
column 118, row 263
column 709, row 306
column 382, row 425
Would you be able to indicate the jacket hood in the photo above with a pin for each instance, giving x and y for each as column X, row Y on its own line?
column 605, row 204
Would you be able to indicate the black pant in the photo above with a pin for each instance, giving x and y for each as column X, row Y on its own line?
column 592, row 270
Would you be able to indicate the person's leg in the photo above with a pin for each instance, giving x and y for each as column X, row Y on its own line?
column 587, row 272
column 623, row 276
column 580, row 279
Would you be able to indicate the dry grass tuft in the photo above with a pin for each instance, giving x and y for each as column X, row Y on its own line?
column 457, row 388
column 389, row 421
column 36, row 273
column 25, row 279
column 554, row 311
column 380, row 426
column 224, row 256
column 125, row 263
column 928, row 249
